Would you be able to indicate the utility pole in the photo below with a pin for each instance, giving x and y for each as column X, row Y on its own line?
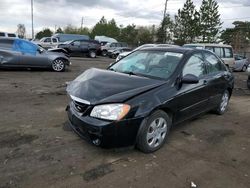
column 32, row 22
column 165, row 9
column 163, row 21
column 81, row 23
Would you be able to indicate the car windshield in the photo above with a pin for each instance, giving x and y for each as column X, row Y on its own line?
column 156, row 64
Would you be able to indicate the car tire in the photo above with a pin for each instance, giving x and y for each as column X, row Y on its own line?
column 104, row 53
column 153, row 132
column 92, row 54
column 244, row 68
column 222, row 107
column 58, row 65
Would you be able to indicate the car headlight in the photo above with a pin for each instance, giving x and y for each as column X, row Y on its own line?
column 110, row 111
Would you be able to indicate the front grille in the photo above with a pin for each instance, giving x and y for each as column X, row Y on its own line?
column 80, row 107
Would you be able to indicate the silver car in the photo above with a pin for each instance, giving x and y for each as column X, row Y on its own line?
column 241, row 63
column 19, row 53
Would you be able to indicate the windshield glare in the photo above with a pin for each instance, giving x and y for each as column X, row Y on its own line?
column 158, row 64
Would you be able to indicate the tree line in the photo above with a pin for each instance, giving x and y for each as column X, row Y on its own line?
column 187, row 26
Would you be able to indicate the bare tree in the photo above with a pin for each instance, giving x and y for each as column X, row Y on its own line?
column 21, row 30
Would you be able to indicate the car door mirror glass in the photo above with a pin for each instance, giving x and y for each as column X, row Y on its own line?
column 190, row 79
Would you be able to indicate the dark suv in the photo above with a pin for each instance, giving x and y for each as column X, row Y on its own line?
column 81, row 47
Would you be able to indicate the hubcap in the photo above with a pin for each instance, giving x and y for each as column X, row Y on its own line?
column 224, row 102
column 92, row 54
column 156, row 132
column 58, row 65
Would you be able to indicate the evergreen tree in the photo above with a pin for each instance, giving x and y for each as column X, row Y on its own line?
column 164, row 32
column 46, row 32
column 59, row 30
column 209, row 21
column 187, row 25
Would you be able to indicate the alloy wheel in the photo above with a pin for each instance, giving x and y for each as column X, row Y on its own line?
column 58, row 65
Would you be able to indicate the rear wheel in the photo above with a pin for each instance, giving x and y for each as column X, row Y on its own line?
column 244, row 68
column 58, row 65
column 222, row 107
column 104, row 53
column 154, row 132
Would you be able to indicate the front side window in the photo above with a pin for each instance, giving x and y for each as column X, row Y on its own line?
column 213, row 63
column 195, row 66
column 47, row 40
column 228, row 52
column 156, row 64
column 25, row 47
column 76, row 43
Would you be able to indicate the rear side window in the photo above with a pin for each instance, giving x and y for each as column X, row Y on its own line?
column 213, row 63
column 228, row 52
column 219, row 51
column 5, row 43
column 195, row 65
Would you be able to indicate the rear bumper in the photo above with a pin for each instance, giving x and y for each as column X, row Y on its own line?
column 104, row 133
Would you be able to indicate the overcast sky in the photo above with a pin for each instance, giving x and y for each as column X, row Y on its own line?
column 51, row 13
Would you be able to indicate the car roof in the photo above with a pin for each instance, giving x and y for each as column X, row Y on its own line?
column 208, row 44
column 170, row 49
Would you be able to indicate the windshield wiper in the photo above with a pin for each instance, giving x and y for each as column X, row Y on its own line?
column 130, row 73
column 111, row 69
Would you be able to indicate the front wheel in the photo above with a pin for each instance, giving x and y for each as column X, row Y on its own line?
column 92, row 54
column 58, row 65
column 222, row 107
column 153, row 132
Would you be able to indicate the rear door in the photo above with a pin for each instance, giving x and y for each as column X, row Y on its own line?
column 192, row 99
column 9, row 56
column 217, row 78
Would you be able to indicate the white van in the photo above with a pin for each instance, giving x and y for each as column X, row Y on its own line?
column 4, row 34
column 225, row 52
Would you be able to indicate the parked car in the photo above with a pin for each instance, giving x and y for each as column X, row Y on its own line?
column 47, row 42
column 111, row 46
column 114, row 53
column 69, row 37
column 18, row 53
column 225, row 52
column 81, row 47
column 139, row 98
column 241, row 63
column 5, row 34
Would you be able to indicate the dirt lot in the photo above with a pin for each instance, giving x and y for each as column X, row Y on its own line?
column 38, row 149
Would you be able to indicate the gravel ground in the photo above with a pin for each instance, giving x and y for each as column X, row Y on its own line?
column 38, row 149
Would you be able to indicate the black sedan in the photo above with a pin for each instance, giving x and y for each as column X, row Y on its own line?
column 137, row 99
column 18, row 53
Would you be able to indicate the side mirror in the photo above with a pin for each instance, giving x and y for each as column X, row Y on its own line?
column 39, row 50
column 189, row 79
column 72, row 44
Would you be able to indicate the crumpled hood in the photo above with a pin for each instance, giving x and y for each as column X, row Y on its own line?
column 104, row 86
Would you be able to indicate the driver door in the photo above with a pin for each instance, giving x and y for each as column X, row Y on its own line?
column 192, row 99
